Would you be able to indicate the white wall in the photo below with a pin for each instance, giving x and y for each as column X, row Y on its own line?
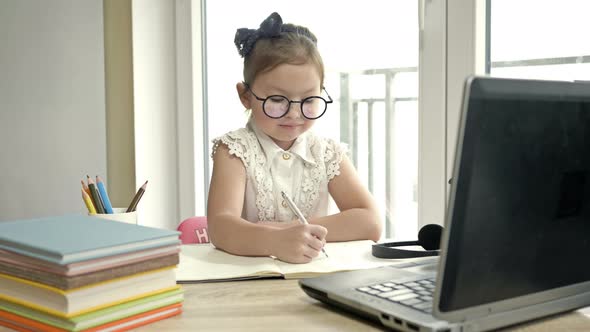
column 167, row 97
column 52, row 105
column 154, row 77
column 119, row 101
column 452, row 46
column 432, row 114
column 201, row 174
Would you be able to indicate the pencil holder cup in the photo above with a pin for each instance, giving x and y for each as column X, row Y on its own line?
column 119, row 214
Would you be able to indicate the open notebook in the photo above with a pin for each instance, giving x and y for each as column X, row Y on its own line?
column 202, row 262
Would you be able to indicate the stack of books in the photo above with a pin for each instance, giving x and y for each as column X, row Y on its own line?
column 80, row 273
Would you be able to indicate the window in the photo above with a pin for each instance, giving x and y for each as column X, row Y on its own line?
column 549, row 44
column 371, row 57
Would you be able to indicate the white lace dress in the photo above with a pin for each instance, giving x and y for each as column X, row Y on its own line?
column 302, row 172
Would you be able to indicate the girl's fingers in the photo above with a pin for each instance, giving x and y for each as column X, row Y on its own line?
column 310, row 253
column 316, row 243
column 318, row 231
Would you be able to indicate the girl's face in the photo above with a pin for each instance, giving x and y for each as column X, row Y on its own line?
column 295, row 82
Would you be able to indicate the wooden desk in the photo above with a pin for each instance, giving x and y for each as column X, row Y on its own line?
column 280, row 305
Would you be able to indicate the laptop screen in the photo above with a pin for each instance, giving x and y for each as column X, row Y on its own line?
column 520, row 206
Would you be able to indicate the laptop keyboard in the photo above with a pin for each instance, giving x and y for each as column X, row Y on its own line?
column 415, row 294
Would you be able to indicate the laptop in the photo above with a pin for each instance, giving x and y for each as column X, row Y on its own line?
column 517, row 229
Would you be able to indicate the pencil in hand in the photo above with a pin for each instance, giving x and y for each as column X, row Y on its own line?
column 297, row 212
column 133, row 206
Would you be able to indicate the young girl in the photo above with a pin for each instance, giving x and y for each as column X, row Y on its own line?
column 276, row 152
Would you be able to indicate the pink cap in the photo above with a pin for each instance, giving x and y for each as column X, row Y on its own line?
column 194, row 230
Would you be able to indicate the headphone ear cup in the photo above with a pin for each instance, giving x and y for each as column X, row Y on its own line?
column 428, row 237
column 386, row 250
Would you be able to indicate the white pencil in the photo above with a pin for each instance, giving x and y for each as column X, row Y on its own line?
column 297, row 212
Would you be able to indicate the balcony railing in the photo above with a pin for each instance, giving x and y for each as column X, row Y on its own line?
column 349, row 114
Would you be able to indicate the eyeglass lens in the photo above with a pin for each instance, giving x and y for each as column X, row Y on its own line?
column 277, row 106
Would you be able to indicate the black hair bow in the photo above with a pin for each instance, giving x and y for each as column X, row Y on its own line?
column 246, row 38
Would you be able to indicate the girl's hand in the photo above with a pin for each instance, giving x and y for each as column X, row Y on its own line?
column 299, row 243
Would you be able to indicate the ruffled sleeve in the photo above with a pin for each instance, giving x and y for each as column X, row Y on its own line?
column 237, row 142
column 333, row 157
column 244, row 144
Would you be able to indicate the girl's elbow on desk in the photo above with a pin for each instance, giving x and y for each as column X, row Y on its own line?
column 218, row 233
column 371, row 227
column 374, row 231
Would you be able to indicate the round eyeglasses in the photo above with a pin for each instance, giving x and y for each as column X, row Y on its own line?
column 277, row 106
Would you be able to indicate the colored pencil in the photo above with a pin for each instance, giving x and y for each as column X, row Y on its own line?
column 103, row 194
column 133, row 206
column 98, row 204
column 88, row 202
column 85, row 187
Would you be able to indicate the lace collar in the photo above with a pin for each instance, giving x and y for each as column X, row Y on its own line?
column 271, row 149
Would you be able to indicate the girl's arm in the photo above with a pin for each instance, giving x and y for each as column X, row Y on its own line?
column 359, row 218
column 295, row 243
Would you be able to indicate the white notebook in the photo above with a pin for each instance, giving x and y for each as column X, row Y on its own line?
column 203, row 262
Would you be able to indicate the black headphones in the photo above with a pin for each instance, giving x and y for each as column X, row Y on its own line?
column 428, row 238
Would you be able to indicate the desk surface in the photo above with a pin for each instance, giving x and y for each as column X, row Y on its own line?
column 276, row 303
